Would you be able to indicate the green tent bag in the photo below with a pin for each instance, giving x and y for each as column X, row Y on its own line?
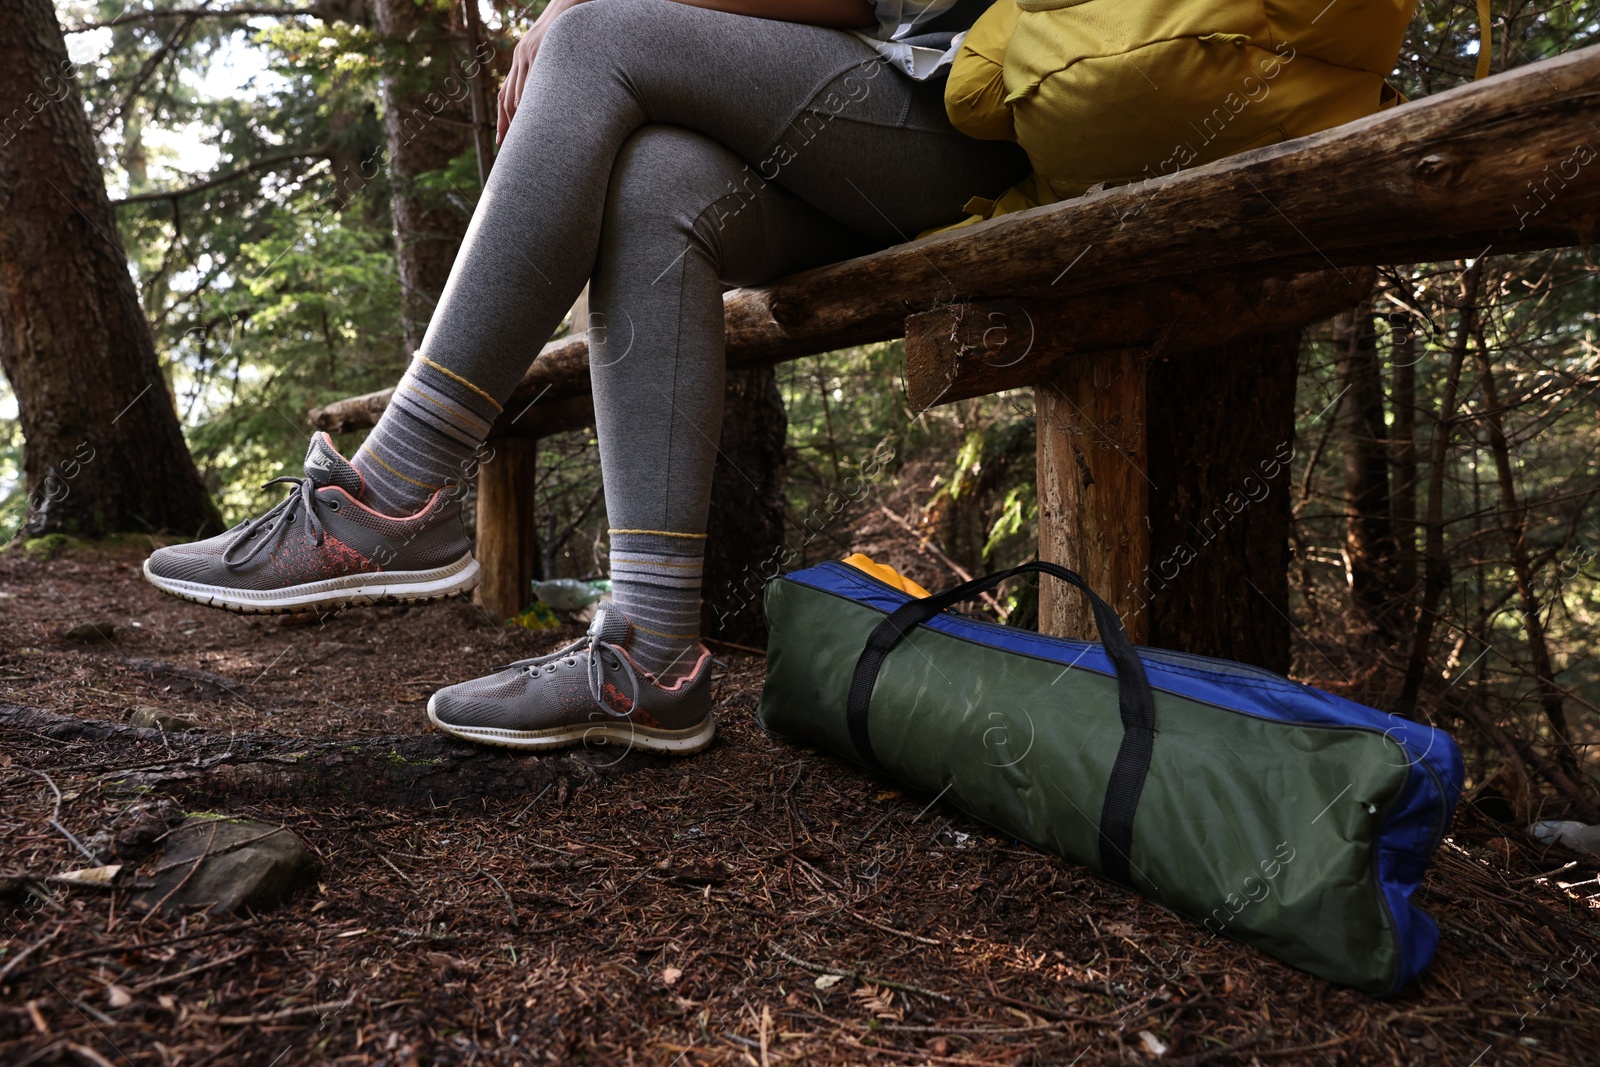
column 1289, row 818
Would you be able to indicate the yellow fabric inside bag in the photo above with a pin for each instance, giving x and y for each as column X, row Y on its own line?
column 886, row 574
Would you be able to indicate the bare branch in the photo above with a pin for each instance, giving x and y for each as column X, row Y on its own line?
column 174, row 40
column 264, row 163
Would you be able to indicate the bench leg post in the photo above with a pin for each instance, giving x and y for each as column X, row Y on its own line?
column 507, row 543
column 1093, row 490
column 1165, row 483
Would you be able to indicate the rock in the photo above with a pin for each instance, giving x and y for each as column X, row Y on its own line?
column 89, row 632
column 136, row 829
column 1577, row 836
column 149, row 718
column 241, row 864
column 322, row 651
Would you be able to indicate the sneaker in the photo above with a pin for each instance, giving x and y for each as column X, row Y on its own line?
column 589, row 691
column 322, row 549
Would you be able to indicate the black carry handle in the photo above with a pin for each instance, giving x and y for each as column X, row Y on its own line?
column 1134, row 698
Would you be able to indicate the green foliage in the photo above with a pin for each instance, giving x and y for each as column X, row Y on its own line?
column 47, row 547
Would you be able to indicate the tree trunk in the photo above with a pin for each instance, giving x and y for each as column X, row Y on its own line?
column 1436, row 565
column 747, row 503
column 1164, row 482
column 1221, row 441
column 427, row 119
column 1404, row 349
column 104, row 451
column 1513, row 523
column 1369, row 531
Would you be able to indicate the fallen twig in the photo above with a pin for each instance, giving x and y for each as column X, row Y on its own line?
column 511, row 907
column 14, row 961
column 859, row 976
column 283, row 1014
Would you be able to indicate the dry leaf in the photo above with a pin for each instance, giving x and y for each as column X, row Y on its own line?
column 98, row 876
column 118, row 996
column 1152, row 1044
column 670, row 975
column 828, row 981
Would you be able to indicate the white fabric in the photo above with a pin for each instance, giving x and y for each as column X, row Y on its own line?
column 900, row 23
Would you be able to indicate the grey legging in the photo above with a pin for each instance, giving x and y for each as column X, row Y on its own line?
column 668, row 151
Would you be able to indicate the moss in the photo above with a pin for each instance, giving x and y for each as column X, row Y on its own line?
column 398, row 760
column 47, row 547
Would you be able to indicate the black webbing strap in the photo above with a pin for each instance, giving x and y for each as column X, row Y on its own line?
column 1134, row 699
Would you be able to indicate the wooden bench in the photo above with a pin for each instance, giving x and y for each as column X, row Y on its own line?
column 1088, row 302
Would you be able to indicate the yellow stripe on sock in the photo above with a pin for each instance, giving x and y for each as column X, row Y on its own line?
column 379, row 461
column 447, row 372
column 467, row 417
column 660, row 533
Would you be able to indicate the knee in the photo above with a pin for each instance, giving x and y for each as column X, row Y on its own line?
column 668, row 178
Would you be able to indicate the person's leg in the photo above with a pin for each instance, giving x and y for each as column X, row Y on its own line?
column 672, row 234
column 678, row 225
column 815, row 110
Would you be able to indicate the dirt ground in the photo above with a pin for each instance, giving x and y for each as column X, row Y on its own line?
column 758, row 904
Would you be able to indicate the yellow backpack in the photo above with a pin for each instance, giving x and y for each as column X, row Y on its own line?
column 1115, row 91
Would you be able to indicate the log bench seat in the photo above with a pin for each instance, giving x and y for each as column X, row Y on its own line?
column 1158, row 324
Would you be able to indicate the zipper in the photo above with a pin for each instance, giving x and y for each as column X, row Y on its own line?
column 1159, row 655
column 1217, row 666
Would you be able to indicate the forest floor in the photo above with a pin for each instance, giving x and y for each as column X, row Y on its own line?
column 643, row 910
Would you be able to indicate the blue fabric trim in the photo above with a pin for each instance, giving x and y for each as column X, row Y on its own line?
column 1410, row 831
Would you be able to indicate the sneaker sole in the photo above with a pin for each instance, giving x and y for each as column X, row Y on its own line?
column 650, row 739
column 379, row 587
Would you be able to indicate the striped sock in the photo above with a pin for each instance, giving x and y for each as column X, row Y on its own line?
column 655, row 582
column 425, row 439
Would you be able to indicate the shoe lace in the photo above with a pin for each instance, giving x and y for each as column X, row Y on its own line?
column 304, row 503
column 591, row 645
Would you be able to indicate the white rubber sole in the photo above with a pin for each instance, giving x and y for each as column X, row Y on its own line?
column 624, row 733
column 378, row 587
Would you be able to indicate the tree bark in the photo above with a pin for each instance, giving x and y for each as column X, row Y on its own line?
column 747, row 507
column 508, row 533
column 1369, row 531
column 427, row 120
column 1221, row 439
column 1093, row 490
column 957, row 351
column 104, row 450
